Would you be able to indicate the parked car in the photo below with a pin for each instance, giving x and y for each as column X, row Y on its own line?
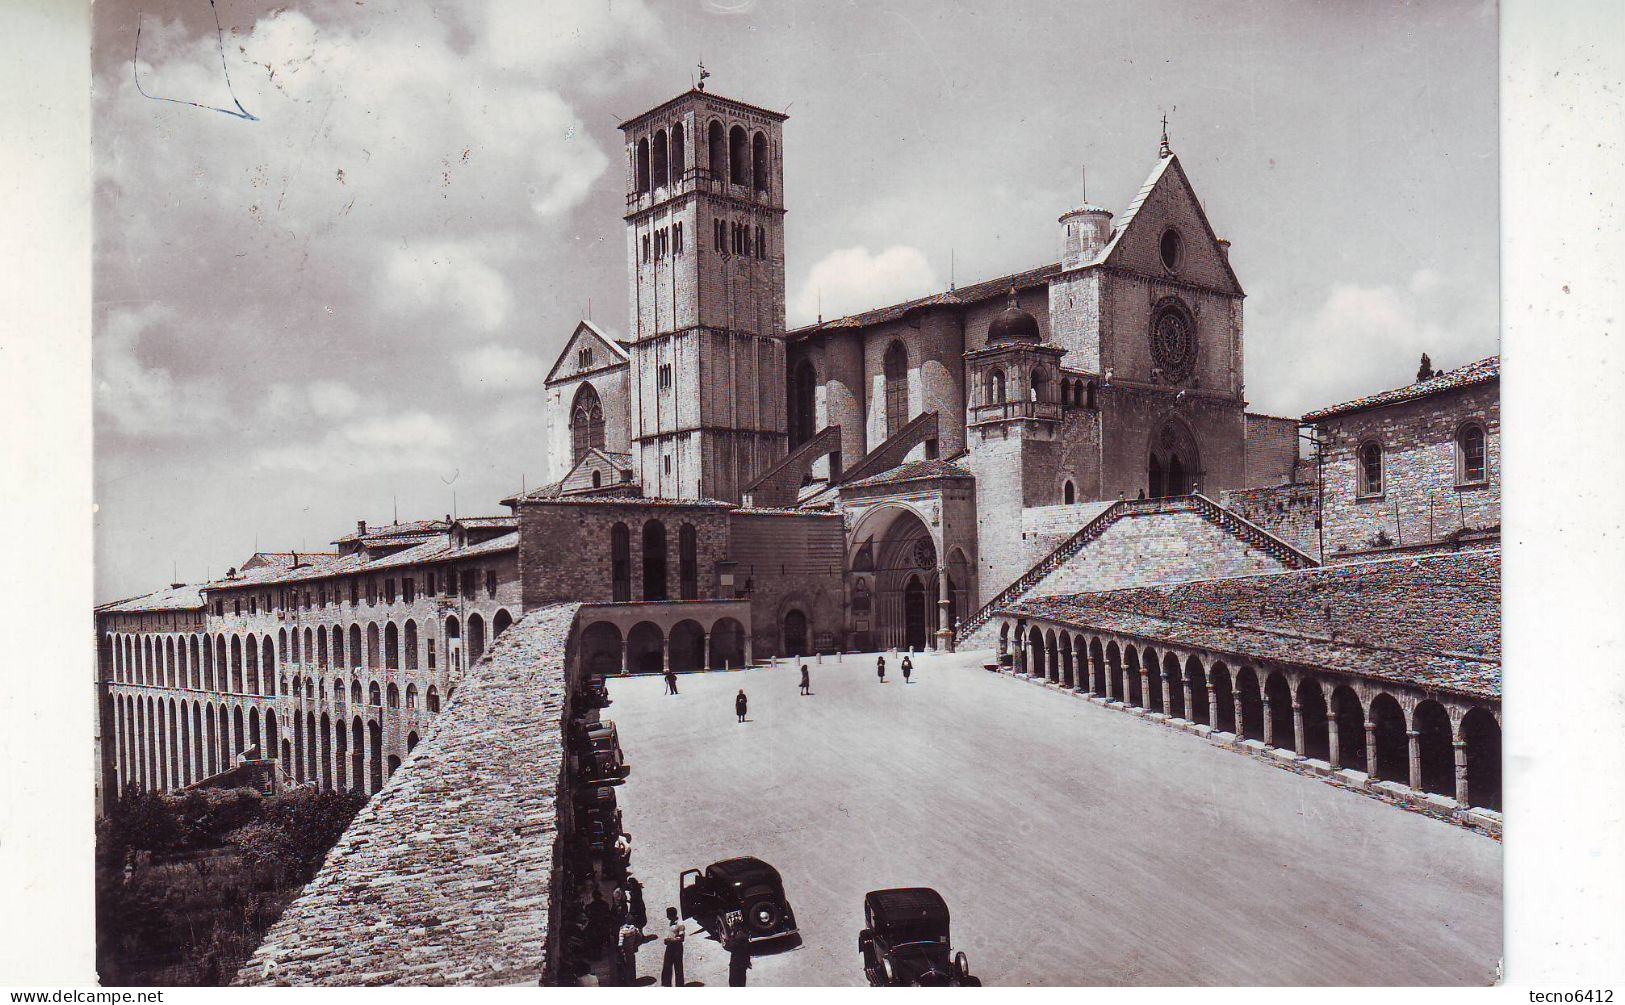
column 599, row 816
column 598, row 757
column 737, row 899
column 906, row 941
column 593, row 693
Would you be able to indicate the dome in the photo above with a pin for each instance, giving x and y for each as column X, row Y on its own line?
column 1014, row 325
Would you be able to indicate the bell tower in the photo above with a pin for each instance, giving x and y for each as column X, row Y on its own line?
column 705, row 261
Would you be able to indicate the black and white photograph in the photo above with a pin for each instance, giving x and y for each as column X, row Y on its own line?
column 630, row 493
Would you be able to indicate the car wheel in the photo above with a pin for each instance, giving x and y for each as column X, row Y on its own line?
column 961, row 967
column 763, row 916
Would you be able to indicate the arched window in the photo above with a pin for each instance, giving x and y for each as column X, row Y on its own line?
column 394, row 696
column 896, row 370
column 372, row 644
column 432, row 700
column 716, row 154
column 1089, row 395
column 392, row 646
column 620, row 563
column 738, row 156
column 1040, row 386
column 659, row 158
column 373, row 695
column 1069, row 495
column 411, row 645
column 688, row 563
column 677, row 160
column 1471, row 468
column 411, row 697
column 758, row 160
column 995, row 387
column 654, row 560
column 1370, row 474
column 355, row 646
column 803, row 403
column 597, row 479
column 586, row 422
column 643, row 165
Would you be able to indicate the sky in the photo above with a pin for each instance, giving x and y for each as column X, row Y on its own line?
column 329, row 289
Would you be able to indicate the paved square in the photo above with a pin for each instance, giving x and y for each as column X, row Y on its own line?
column 1074, row 844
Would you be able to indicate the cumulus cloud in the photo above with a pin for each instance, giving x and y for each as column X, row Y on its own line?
column 143, row 400
column 1364, row 338
column 500, row 367
column 849, row 280
column 407, row 441
column 451, row 279
column 552, row 37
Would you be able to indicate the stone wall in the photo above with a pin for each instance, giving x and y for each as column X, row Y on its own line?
column 792, row 561
column 447, row 875
column 1272, row 449
column 564, row 546
column 1045, row 528
column 1287, row 511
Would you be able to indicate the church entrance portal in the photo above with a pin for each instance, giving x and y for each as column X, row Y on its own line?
column 914, row 614
column 893, row 545
column 1174, row 464
column 795, row 633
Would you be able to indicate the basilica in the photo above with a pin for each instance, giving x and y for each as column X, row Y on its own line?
column 940, row 429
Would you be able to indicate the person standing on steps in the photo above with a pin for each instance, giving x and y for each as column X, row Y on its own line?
column 908, row 668
column 806, row 680
column 671, row 681
column 671, row 967
column 880, row 669
column 741, row 704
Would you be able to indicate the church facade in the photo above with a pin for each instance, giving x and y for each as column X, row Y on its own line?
column 934, row 427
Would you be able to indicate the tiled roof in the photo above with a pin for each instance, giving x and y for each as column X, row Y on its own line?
column 482, row 522
column 1481, row 372
column 174, row 598
column 626, row 500
column 396, row 529
column 1429, row 621
column 914, row 471
column 961, row 296
column 437, row 549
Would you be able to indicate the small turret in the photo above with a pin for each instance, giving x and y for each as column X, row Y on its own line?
column 1084, row 233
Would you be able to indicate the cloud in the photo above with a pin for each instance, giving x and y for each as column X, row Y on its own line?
column 406, row 441
column 849, row 280
column 141, row 400
column 451, row 279
column 500, row 367
column 1365, row 338
column 609, row 39
column 322, row 399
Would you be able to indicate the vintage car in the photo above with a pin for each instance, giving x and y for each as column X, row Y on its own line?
column 600, row 816
column 598, row 757
column 739, row 900
column 906, row 941
column 594, row 693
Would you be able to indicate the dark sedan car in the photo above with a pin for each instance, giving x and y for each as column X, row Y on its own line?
column 906, row 941
column 738, row 899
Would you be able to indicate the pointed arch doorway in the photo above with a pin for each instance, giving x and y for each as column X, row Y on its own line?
column 914, row 614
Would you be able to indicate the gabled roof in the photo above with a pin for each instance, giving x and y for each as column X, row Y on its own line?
column 1166, row 172
column 435, row 548
column 1482, row 372
column 584, row 329
column 914, row 471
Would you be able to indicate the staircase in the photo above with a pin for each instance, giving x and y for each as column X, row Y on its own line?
column 1245, row 531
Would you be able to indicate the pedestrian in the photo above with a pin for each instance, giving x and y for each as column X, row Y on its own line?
column 671, row 966
column 618, row 910
column 908, row 668
column 741, row 703
column 738, row 963
column 880, row 669
column 806, row 680
column 599, row 932
column 634, row 903
column 671, row 681
column 627, row 958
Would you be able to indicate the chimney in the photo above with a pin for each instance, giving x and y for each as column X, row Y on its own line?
column 361, row 526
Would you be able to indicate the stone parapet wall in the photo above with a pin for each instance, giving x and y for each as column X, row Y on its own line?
column 1290, row 512
column 447, row 875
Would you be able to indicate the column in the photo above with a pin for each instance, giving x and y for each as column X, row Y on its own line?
column 1185, row 684
column 1241, row 722
column 945, row 635
column 625, row 669
column 1463, row 793
column 1297, row 728
column 1413, row 744
column 1269, row 722
column 1145, row 688
column 1212, row 706
column 1371, row 749
column 750, row 648
column 705, row 661
column 1335, row 754
column 665, row 653
column 1167, row 695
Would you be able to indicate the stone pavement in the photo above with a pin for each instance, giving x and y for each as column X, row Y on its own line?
column 446, row 875
column 1074, row 844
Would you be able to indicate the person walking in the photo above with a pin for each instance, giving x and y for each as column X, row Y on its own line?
column 634, row 903
column 908, row 668
column 626, row 956
column 671, row 967
column 741, row 703
column 806, row 680
column 738, row 963
column 880, row 669
column 671, row 681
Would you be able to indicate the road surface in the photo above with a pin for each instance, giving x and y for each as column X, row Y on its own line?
column 1075, row 844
